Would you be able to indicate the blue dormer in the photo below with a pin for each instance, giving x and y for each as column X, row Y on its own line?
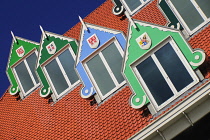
column 99, row 61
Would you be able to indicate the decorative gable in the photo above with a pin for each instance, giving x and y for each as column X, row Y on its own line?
column 21, row 67
column 55, row 65
column 118, row 8
column 169, row 61
column 100, row 57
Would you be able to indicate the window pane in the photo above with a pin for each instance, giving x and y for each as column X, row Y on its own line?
column 188, row 12
column 31, row 60
column 154, row 81
column 133, row 4
column 205, row 6
column 68, row 62
column 100, row 74
column 56, row 77
column 24, row 77
column 114, row 59
column 173, row 66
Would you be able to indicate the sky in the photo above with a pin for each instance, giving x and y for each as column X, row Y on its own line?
column 23, row 17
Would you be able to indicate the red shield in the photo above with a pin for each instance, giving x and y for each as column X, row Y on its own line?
column 93, row 41
column 20, row 51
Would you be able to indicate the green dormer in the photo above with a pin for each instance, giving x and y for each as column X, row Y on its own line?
column 56, row 65
column 21, row 67
column 159, row 65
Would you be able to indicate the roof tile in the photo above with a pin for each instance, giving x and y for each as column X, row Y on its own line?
column 64, row 121
column 73, row 117
column 202, row 40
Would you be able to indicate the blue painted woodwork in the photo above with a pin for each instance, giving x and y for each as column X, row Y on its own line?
column 104, row 35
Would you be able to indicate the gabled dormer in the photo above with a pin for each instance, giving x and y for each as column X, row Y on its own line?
column 99, row 61
column 21, row 67
column 193, row 15
column 159, row 65
column 55, row 65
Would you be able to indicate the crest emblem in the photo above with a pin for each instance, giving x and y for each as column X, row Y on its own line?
column 20, row 51
column 144, row 41
column 51, row 48
column 93, row 41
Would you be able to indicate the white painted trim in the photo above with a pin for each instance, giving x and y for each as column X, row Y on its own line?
column 29, row 41
column 30, row 74
column 164, row 74
column 13, row 36
column 167, row 79
column 203, row 58
column 179, row 17
column 108, row 68
column 63, row 71
column 8, row 62
column 47, row 94
column 11, row 48
column 161, row 28
column 166, row 118
column 98, row 52
column 130, row 19
column 115, row 5
column 96, row 27
column 50, row 34
column 198, row 9
column 71, row 85
column 83, row 24
column 105, row 29
column 42, row 31
column 29, row 71
column 134, row 11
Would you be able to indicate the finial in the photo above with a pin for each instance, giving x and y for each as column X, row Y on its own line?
column 13, row 37
column 130, row 19
column 42, row 31
column 83, row 23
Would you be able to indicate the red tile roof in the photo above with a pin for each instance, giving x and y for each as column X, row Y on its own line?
column 103, row 16
column 70, row 118
column 73, row 117
column 202, row 40
column 151, row 13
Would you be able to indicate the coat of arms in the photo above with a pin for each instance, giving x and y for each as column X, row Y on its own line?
column 20, row 51
column 144, row 41
column 93, row 41
column 51, row 48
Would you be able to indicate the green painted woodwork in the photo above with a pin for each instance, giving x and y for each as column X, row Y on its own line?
column 14, row 58
column 60, row 42
column 169, row 14
column 134, row 52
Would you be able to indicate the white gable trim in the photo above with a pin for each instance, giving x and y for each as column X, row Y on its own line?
column 96, row 27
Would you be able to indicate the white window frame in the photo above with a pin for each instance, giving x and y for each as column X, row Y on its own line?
column 190, row 32
column 71, row 85
column 164, row 74
column 30, row 73
column 99, row 52
column 134, row 11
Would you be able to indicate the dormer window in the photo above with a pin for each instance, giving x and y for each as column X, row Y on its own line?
column 25, row 74
column 192, row 14
column 133, row 5
column 60, row 72
column 165, row 74
column 104, row 68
